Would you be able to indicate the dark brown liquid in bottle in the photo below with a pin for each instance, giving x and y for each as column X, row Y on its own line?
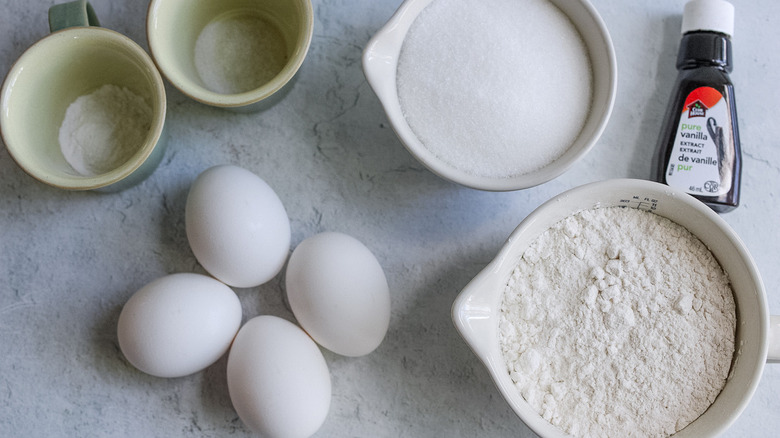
column 704, row 60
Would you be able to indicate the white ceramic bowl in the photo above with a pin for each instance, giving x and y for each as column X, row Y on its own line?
column 380, row 59
column 476, row 309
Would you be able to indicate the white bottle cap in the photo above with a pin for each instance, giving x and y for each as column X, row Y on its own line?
column 708, row 15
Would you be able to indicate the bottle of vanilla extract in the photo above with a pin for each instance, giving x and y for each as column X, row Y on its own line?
column 698, row 150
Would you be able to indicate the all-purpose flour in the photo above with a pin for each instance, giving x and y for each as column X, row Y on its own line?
column 495, row 88
column 618, row 322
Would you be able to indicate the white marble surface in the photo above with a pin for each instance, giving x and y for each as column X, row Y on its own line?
column 69, row 261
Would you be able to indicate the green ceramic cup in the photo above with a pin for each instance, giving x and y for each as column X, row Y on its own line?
column 281, row 27
column 77, row 58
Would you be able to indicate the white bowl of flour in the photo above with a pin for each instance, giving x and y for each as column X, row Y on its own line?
column 494, row 94
column 665, row 329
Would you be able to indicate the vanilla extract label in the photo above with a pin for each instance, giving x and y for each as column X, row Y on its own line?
column 694, row 164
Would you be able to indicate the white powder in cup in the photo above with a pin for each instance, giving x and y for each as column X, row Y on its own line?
column 495, row 88
column 618, row 322
column 103, row 129
column 238, row 53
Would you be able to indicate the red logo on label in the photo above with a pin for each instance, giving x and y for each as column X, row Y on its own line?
column 700, row 100
column 697, row 109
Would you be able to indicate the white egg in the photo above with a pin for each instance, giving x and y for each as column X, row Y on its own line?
column 178, row 324
column 339, row 293
column 237, row 226
column 278, row 380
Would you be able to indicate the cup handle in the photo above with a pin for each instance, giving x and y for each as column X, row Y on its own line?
column 773, row 355
column 70, row 14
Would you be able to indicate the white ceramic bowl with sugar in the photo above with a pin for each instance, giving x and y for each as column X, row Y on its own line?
column 380, row 61
column 475, row 311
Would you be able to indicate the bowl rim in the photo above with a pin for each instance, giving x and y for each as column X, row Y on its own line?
column 475, row 307
column 379, row 61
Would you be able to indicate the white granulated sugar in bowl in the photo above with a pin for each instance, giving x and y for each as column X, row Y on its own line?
column 618, row 322
column 495, row 88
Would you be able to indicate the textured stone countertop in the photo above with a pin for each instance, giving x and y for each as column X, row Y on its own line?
column 70, row 260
